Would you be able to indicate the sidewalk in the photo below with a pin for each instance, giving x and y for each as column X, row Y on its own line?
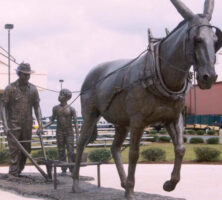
column 198, row 182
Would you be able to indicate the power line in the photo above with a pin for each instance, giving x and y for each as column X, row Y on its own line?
column 46, row 89
column 111, row 73
column 6, row 65
column 7, row 53
column 51, row 90
column 56, row 91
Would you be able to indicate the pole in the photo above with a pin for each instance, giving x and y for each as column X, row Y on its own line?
column 195, row 99
column 9, row 67
column 1, row 135
column 61, row 81
column 42, row 145
column 9, row 27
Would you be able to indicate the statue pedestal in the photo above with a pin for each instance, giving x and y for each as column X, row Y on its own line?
column 33, row 184
column 220, row 136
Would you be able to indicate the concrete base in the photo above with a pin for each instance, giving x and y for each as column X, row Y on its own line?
column 32, row 184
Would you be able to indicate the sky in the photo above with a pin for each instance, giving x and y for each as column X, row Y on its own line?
column 67, row 38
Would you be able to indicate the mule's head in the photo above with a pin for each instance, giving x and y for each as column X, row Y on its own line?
column 202, row 42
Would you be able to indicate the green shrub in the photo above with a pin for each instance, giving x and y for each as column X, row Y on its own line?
column 153, row 139
column 99, row 155
column 52, row 154
column 153, row 154
column 200, row 132
column 213, row 140
column 153, row 132
column 191, row 132
column 206, row 154
column 3, row 156
column 164, row 139
column 185, row 132
column 108, row 136
column 163, row 131
column 185, row 139
column 196, row 140
column 211, row 132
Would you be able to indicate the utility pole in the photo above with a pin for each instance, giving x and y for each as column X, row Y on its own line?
column 61, row 82
column 9, row 27
column 195, row 100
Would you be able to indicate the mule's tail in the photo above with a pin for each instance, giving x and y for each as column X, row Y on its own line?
column 93, row 135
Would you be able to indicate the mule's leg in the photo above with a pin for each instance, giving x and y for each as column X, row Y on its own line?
column 86, row 132
column 135, row 134
column 120, row 136
column 175, row 129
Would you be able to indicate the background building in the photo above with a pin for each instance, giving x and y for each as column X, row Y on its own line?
column 208, row 102
column 205, row 107
column 37, row 78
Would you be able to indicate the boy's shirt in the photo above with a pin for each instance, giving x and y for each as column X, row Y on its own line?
column 64, row 116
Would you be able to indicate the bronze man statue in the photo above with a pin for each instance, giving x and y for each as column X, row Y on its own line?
column 64, row 114
column 18, row 100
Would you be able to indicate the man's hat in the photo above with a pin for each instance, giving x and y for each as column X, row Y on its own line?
column 24, row 68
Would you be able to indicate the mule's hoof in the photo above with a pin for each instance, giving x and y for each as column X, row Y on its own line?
column 130, row 196
column 75, row 187
column 123, row 185
column 169, row 186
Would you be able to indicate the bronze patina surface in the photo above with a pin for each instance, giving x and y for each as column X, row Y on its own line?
column 32, row 184
column 19, row 99
column 133, row 94
column 64, row 114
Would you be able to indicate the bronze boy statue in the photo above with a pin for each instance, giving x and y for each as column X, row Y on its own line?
column 19, row 98
column 64, row 114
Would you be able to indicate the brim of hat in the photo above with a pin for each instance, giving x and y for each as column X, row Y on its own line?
column 25, row 72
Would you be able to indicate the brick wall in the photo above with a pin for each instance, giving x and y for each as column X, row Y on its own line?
column 208, row 102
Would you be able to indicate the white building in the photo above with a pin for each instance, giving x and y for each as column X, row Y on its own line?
column 37, row 78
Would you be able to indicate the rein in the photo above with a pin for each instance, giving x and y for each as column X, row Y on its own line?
column 159, row 75
column 167, row 92
column 105, row 77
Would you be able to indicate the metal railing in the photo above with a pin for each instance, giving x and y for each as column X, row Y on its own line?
column 49, row 141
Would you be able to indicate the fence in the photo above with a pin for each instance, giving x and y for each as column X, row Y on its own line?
column 210, row 120
column 49, row 141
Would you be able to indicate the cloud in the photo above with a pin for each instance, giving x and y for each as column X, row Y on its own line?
column 67, row 38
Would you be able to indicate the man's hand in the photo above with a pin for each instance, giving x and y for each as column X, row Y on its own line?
column 6, row 130
column 39, row 131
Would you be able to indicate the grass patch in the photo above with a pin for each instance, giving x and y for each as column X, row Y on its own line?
column 169, row 149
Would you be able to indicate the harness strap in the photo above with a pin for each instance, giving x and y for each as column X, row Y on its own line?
column 156, row 85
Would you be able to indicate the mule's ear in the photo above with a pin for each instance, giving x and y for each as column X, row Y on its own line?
column 182, row 9
column 208, row 9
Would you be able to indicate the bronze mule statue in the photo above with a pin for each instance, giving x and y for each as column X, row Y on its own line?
column 148, row 90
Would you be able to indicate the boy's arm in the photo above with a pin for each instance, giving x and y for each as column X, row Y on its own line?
column 75, row 121
column 52, row 118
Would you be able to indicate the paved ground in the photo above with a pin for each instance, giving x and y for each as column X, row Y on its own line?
column 198, row 182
